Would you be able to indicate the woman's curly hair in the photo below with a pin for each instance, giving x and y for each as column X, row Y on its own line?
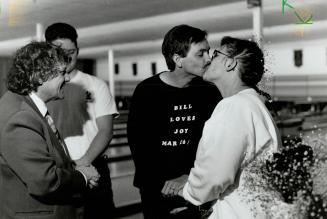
column 32, row 65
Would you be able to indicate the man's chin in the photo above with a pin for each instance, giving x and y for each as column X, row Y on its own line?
column 199, row 74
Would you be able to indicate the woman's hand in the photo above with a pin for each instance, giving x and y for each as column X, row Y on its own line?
column 174, row 186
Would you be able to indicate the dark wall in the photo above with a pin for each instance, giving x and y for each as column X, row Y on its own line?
column 4, row 68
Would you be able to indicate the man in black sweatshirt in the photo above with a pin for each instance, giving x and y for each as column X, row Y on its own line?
column 166, row 118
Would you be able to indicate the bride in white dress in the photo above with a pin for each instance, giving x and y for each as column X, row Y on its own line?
column 239, row 131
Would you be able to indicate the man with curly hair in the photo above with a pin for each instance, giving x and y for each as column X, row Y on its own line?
column 37, row 178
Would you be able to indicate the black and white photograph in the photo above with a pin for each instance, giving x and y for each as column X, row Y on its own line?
column 163, row 109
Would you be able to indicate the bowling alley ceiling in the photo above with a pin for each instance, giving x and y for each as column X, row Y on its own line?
column 116, row 23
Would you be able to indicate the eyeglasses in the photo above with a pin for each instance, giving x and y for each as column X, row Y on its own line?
column 217, row 52
column 67, row 58
column 69, row 51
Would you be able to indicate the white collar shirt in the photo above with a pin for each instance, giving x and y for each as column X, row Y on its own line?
column 40, row 104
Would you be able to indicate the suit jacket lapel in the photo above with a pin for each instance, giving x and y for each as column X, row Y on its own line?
column 30, row 102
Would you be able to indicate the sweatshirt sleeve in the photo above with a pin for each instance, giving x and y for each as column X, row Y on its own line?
column 140, row 132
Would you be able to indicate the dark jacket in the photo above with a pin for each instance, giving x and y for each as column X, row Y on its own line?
column 37, row 179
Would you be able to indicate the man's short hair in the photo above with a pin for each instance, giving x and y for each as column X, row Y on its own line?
column 32, row 65
column 61, row 31
column 178, row 41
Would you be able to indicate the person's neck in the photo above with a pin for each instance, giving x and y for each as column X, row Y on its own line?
column 230, row 88
column 42, row 95
column 176, row 78
column 73, row 73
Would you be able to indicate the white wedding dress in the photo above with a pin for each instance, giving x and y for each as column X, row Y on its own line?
column 239, row 132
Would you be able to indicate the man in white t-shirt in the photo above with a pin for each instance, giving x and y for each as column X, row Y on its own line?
column 85, row 119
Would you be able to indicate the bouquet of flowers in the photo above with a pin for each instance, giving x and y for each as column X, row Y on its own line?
column 291, row 183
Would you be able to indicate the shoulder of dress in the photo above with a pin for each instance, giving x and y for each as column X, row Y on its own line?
column 234, row 105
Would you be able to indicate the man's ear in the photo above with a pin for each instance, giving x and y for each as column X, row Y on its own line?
column 178, row 60
column 231, row 64
column 77, row 50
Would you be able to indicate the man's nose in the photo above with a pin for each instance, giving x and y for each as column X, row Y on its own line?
column 207, row 58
